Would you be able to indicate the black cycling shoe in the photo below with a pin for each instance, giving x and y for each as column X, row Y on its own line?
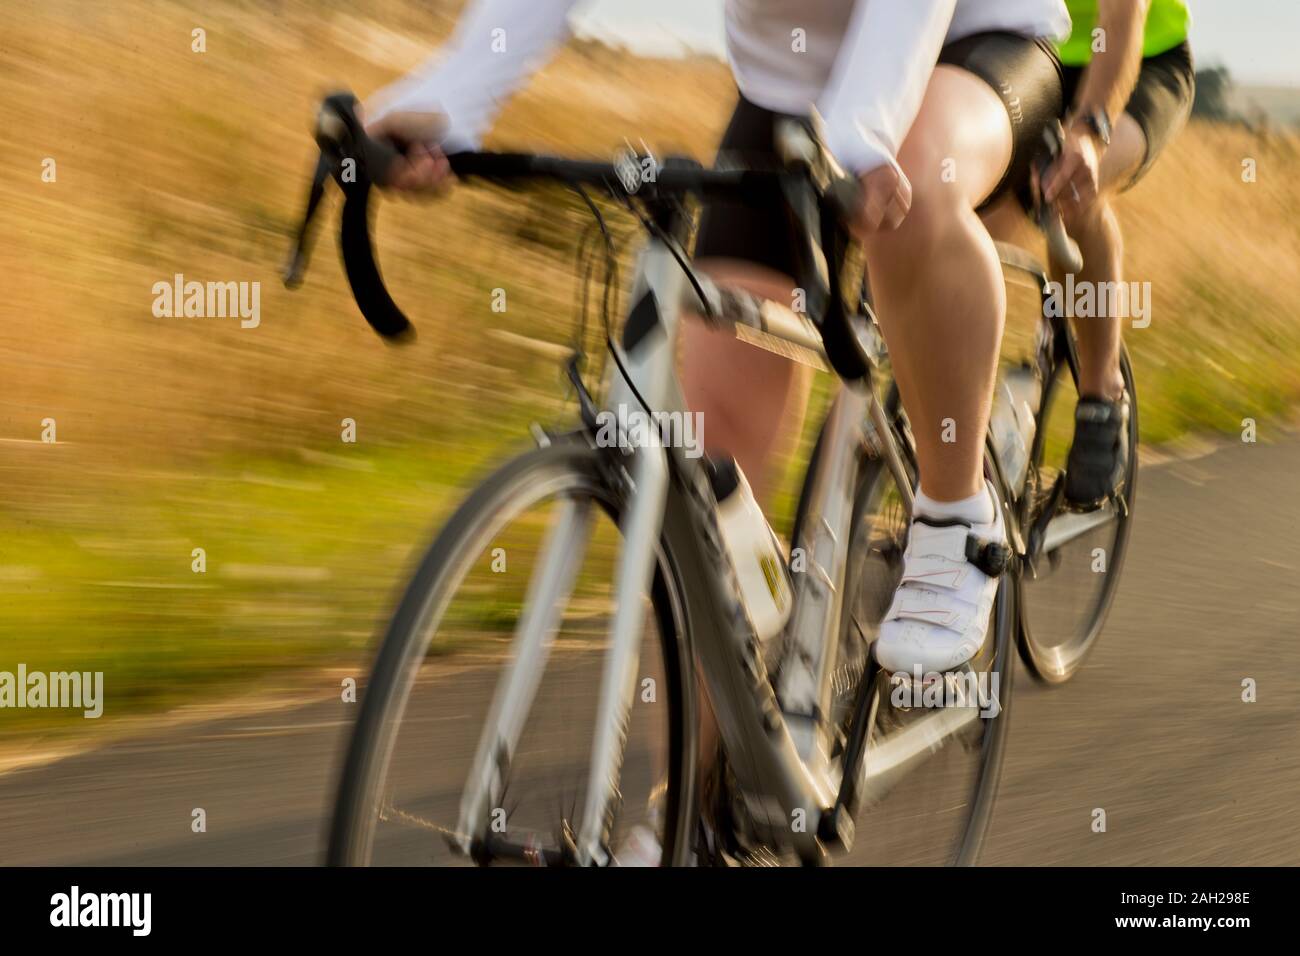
column 1099, row 454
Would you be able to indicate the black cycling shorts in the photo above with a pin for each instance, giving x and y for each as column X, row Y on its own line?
column 1161, row 101
column 1024, row 72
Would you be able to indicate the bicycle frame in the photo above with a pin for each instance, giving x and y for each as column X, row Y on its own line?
column 778, row 736
column 781, row 751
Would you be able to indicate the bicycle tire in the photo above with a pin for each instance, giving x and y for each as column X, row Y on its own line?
column 1046, row 660
column 356, row 806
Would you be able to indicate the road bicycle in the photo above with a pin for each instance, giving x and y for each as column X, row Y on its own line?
column 629, row 593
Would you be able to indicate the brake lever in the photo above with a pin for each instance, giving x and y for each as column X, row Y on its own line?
column 300, row 252
column 356, row 162
column 804, row 144
column 823, row 202
column 355, row 158
column 1063, row 249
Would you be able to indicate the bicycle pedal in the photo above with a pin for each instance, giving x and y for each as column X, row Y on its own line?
column 1085, row 508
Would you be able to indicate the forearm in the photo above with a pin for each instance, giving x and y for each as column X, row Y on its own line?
column 1111, row 75
column 496, row 46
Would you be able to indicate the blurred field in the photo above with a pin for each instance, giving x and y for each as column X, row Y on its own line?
column 175, row 434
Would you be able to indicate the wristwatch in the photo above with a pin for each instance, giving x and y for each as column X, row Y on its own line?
column 1098, row 120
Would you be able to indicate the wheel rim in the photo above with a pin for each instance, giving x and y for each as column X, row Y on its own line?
column 1064, row 608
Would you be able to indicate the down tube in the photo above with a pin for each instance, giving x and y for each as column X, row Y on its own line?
column 772, row 778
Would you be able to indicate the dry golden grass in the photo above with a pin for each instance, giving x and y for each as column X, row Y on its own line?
column 174, row 161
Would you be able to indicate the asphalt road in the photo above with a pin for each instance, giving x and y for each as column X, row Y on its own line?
column 1153, row 730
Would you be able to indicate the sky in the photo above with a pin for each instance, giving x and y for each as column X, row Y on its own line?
column 1258, row 40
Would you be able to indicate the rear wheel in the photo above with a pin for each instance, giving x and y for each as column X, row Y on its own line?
column 1068, row 588
column 433, row 698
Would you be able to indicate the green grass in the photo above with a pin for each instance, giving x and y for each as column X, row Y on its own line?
column 305, row 560
column 1210, row 383
column 306, row 553
column 302, row 564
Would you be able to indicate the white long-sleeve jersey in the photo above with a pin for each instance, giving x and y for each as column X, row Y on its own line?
column 863, row 63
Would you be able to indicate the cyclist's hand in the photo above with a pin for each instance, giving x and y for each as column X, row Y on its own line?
column 886, row 199
column 422, row 168
column 1073, row 177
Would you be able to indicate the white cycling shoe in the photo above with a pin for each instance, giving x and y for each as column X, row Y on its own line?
column 939, row 618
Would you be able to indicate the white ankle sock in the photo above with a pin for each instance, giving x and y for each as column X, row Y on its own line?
column 977, row 509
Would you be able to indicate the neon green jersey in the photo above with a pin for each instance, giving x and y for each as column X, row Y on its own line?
column 1167, row 23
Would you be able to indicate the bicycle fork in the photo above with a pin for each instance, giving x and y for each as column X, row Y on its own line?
column 548, row 591
column 645, row 381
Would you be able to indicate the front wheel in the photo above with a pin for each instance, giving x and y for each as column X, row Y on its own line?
column 477, row 723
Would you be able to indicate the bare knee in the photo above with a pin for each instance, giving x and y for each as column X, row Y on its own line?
column 954, row 155
column 941, row 213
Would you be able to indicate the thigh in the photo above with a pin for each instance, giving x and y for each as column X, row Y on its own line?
column 1026, row 78
column 960, row 145
column 720, row 367
column 752, row 401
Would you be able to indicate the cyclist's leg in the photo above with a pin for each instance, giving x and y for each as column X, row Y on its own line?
column 1155, row 113
column 752, row 401
column 937, row 282
column 1101, row 244
column 938, row 288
